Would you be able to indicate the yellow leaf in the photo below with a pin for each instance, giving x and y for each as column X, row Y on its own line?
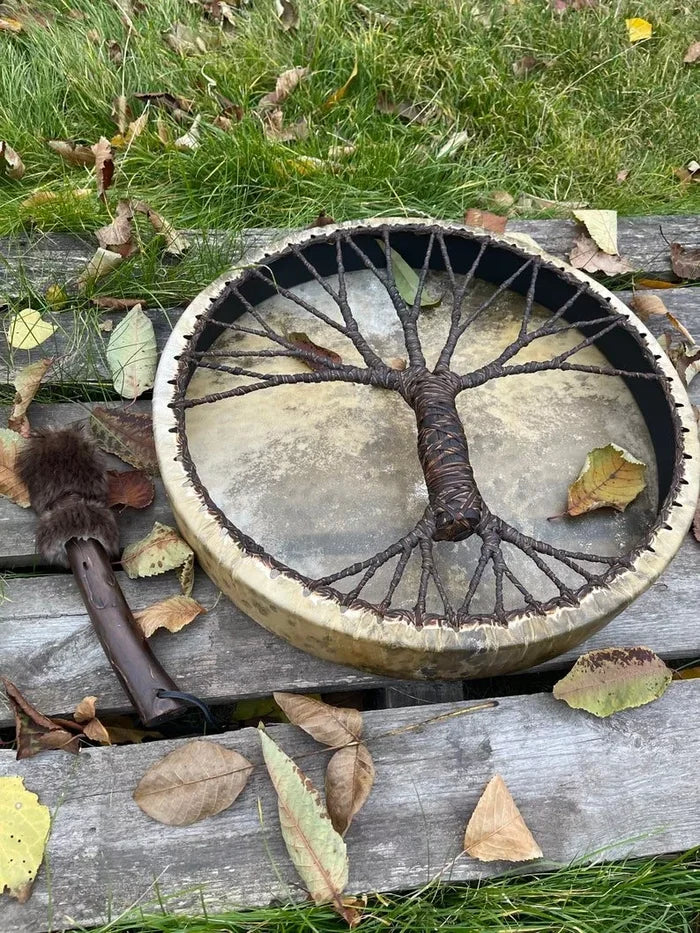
column 496, row 830
column 28, row 329
column 610, row 477
column 638, row 29
column 338, row 95
column 174, row 613
column 24, row 829
column 161, row 550
column 602, row 226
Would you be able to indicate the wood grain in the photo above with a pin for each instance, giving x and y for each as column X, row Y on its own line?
column 628, row 785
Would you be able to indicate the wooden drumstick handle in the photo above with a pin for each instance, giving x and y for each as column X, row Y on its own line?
column 139, row 671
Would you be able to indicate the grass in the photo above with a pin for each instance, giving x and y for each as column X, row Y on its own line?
column 649, row 896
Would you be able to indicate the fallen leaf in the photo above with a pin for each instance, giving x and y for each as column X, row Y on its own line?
column 189, row 141
column 622, row 176
column 526, row 65
column 132, row 355
column 638, row 29
column 73, row 152
column 407, row 281
column 127, row 434
column 96, row 732
column 183, row 40
column 104, row 165
column 685, row 261
column 405, row 110
column 107, row 326
column 496, row 830
column 687, row 673
column 176, row 244
column 121, row 113
column 531, row 202
column 115, row 52
column 458, row 141
column 186, row 576
column 222, row 13
column 654, row 283
column 34, row 732
column 161, row 550
column 14, row 166
column 118, row 237
column 11, row 486
column 8, row 24
column 27, row 329
column 612, row 679
column 685, row 355
column 26, row 382
column 121, row 731
column 195, row 781
column 323, row 220
column 284, row 86
column 303, row 342
column 586, row 256
column 495, row 223
column 501, row 199
column 381, row 19
column 341, row 152
column 86, row 709
column 179, row 107
column 287, row 14
column 101, row 264
column 647, row 306
column 56, row 297
column 46, row 197
column 602, row 227
column 132, row 488
column 85, row 713
column 117, row 304
column 693, row 54
column 24, row 830
column 349, row 779
column 338, row 95
column 611, row 478
column 173, row 614
column 336, row 726
column 318, row 852
column 131, row 132
column 274, row 128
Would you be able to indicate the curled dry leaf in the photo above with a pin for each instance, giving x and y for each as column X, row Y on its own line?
column 284, row 86
column 612, row 679
column 179, row 107
column 24, row 830
column 318, row 852
column 454, row 143
column 335, row 726
column 28, row 329
column 11, row 486
column 586, row 256
column 685, row 261
column 96, row 732
column 132, row 355
column 275, row 130
column 349, row 780
column 121, row 113
column 496, row 830
column 74, row 152
column 405, row 110
column 132, row 488
column 26, row 382
column 601, row 227
column 117, row 304
column 127, row 434
column 118, row 237
column 189, row 141
column 611, row 477
column 323, row 220
column 195, row 781
column 86, row 709
column 14, row 166
column 122, row 732
column 287, row 14
column 304, row 342
column 161, row 550
column 35, row 732
column 85, row 713
column 173, row 614
column 693, row 54
column 647, row 306
column 46, row 197
column 101, row 264
column 685, row 355
column 176, row 244
column 104, row 165
column 495, row 223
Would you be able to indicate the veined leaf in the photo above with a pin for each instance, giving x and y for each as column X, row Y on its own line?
column 24, row 829
column 127, row 434
column 407, row 282
column 332, row 725
column 11, row 486
column 349, row 780
column 132, row 355
column 161, row 550
column 27, row 381
column 173, row 613
column 496, row 830
column 611, row 476
column 602, row 227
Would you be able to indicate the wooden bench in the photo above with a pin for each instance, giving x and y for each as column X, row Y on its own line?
column 625, row 785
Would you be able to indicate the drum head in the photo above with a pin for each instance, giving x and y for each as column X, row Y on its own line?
column 367, row 436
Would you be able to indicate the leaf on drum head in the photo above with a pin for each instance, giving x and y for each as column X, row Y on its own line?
column 611, row 477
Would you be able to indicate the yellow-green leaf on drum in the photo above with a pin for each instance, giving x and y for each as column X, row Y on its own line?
column 407, row 282
column 24, row 829
column 611, row 477
column 612, row 679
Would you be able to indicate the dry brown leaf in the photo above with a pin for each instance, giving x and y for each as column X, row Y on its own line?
column 648, row 305
column 303, row 342
column 173, row 614
column 132, row 488
column 284, row 86
column 183, row 40
column 162, row 549
column 654, row 283
column 526, row 65
column 11, row 486
column 586, row 256
column 26, row 381
column 73, row 152
column 96, row 732
column 197, row 780
column 121, row 730
column 118, row 237
column 349, row 779
column 179, row 107
column 117, row 304
column 121, row 113
column 274, row 128
column 104, row 165
column 405, row 110
column 287, row 14
column 323, row 220
column 496, row 830
column 14, row 166
column 495, row 223
column 685, row 261
column 693, row 54
column 335, row 726
column 684, row 355
column 34, row 732
column 176, row 244
column 127, row 434
column 46, row 197
column 86, row 709
column 338, row 95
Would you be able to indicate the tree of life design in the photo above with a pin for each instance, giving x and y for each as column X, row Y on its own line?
column 456, row 510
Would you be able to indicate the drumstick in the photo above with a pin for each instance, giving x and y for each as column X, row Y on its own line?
column 67, row 482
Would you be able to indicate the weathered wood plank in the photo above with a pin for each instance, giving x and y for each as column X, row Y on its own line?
column 624, row 786
column 415, row 693
column 48, row 648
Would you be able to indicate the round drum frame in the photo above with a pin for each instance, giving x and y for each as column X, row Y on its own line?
column 340, row 626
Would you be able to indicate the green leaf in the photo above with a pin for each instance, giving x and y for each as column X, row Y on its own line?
column 318, row 852
column 610, row 477
column 612, row 679
column 132, row 355
column 161, row 550
column 407, row 282
column 24, row 829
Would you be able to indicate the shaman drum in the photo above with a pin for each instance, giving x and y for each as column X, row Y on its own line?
column 366, row 459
